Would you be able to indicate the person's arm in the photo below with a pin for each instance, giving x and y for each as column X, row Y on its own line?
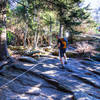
column 58, row 45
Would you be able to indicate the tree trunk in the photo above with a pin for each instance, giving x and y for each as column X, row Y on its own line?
column 61, row 30
column 36, row 38
column 50, row 41
column 3, row 40
column 35, row 20
column 35, row 42
column 25, row 35
column 71, row 38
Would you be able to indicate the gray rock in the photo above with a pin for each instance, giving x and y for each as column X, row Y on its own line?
column 46, row 81
column 30, row 53
column 96, row 57
column 27, row 59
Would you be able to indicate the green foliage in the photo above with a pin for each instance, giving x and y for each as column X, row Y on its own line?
column 20, row 11
column 10, row 37
column 1, row 29
column 66, row 12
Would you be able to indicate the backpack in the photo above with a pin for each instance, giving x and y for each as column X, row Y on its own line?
column 64, row 43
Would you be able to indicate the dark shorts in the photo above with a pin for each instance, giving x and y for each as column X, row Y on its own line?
column 61, row 52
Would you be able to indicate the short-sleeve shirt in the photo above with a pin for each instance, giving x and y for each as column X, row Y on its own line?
column 61, row 45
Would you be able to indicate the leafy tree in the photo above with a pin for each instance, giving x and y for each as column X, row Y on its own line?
column 68, row 13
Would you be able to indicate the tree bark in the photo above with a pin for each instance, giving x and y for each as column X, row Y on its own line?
column 25, row 35
column 35, row 20
column 61, row 30
column 50, row 41
column 3, row 40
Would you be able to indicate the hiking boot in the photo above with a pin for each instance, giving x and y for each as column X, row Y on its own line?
column 65, row 62
column 62, row 67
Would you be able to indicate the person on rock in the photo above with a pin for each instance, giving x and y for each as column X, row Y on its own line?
column 62, row 44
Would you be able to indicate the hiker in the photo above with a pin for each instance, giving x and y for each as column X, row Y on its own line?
column 62, row 45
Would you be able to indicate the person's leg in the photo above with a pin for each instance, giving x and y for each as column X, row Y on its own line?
column 60, row 55
column 65, row 56
column 65, row 62
column 61, row 58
